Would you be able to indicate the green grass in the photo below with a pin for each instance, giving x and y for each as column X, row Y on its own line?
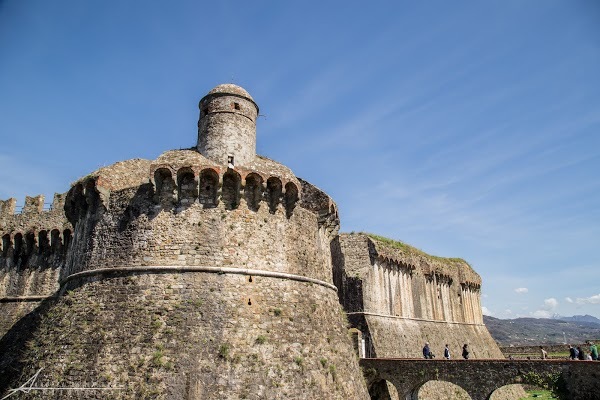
column 539, row 394
column 537, row 355
column 412, row 250
column 261, row 339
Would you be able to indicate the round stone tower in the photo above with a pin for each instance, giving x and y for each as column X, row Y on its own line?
column 227, row 125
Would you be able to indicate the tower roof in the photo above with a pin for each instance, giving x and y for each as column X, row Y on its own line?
column 230, row 88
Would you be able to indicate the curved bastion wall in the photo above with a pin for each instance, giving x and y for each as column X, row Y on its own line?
column 400, row 297
column 188, row 277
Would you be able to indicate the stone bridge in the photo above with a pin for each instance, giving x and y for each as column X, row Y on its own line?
column 576, row 379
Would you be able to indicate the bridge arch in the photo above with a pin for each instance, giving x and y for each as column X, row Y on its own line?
column 437, row 389
column 481, row 377
column 383, row 390
column 512, row 390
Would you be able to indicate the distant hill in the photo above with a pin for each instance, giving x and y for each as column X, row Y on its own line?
column 532, row 331
column 578, row 318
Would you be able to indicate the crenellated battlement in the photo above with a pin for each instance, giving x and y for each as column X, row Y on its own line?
column 35, row 237
column 33, row 205
column 7, row 207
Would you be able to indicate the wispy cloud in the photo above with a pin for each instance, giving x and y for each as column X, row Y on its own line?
column 595, row 299
column 521, row 290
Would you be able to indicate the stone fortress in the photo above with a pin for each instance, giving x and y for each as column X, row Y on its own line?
column 215, row 273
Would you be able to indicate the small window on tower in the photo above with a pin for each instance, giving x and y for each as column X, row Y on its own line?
column 230, row 161
column 236, row 106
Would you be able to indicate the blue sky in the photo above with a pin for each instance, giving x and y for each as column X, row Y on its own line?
column 466, row 129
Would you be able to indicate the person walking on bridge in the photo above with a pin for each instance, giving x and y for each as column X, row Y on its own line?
column 593, row 351
column 572, row 353
column 544, row 353
column 426, row 351
column 446, row 353
column 465, row 352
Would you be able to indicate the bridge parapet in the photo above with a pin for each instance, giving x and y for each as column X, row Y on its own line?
column 480, row 378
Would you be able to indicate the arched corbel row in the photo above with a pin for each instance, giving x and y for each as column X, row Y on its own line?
column 208, row 186
column 20, row 247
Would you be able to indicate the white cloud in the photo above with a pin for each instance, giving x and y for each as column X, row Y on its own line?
column 521, row 290
column 508, row 311
column 550, row 304
column 595, row 299
column 487, row 312
column 541, row 314
column 547, row 309
column 569, row 300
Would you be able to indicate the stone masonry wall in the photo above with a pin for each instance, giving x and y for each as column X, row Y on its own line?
column 33, row 247
column 401, row 338
column 396, row 308
column 399, row 305
column 371, row 281
column 135, row 231
column 189, row 336
column 193, row 334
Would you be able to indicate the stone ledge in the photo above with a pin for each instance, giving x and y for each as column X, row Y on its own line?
column 414, row 319
column 17, row 299
column 214, row 270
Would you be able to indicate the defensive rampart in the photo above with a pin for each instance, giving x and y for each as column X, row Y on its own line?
column 187, row 278
column 400, row 297
column 32, row 253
